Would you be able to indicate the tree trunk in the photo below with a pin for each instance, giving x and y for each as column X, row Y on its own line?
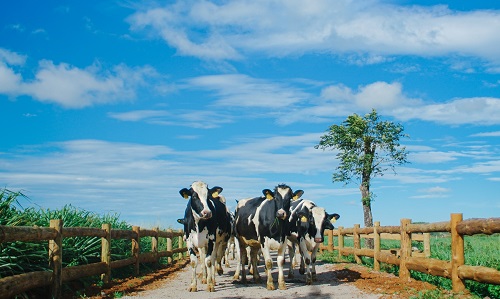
column 367, row 209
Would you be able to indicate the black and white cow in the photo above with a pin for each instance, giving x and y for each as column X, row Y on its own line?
column 200, row 228
column 224, row 226
column 262, row 223
column 307, row 226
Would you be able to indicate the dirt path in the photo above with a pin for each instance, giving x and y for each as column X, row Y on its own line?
column 329, row 285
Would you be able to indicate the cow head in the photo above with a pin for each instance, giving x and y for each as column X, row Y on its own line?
column 315, row 221
column 199, row 194
column 282, row 195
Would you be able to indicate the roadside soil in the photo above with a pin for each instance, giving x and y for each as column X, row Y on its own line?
column 339, row 280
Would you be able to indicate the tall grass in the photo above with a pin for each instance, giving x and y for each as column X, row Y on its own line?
column 480, row 250
column 23, row 257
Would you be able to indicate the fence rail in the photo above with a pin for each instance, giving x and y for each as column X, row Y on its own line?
column 16, row 284
column 406, row 259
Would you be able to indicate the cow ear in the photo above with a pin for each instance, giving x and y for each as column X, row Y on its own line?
column 333, row 217
column 215, row 191
column 181, row 221
column 268, row 194
column 184, row 192
column 297, row 194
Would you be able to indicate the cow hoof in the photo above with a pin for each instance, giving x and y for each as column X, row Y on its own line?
column 210, row 288
column 270, row 286
column 193, row 289
column 204, row 281
column 308, row 282
column 314, row 277
column 236, row 277
column 302, row 271
column 220, row 271
column 282, row 286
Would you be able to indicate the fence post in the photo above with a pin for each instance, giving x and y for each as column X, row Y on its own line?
column 405, row 250
column 341, row 241
column 181, row 245
column 136, row 247
column 427, row 245
column 457, row 254
column 169, row 244
column 376, row 246
column 357, row 243
column 55, row 257
column 106, row 252
column 330, row 240
column 154, row 244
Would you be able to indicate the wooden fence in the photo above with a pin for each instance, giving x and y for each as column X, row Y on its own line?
column 407, row 260
column 16, row 284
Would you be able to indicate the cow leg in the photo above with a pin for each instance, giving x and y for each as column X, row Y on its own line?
column 210, row 266
column 291, row 254
column 194, row 264
column 306, row 257
column 220, row 246
column 281, row 263
column 268, row 262
column 254, row 251
column 203, row 265
column 236, row 251
column 243, row 261
column 313, row 263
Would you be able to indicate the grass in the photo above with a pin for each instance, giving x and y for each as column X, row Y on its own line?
column 23, row 257
column 480, row 250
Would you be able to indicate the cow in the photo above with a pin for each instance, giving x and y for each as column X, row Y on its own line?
column 262, row 223
column 224, row 227
column 307, row 226
column 200, row 229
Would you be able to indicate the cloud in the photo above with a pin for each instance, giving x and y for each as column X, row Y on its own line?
column 138, row 115
column 69, row 86
column 480, row 110
column 228, row 30
column 433, row 192
column 243, row 91
column 487, row 134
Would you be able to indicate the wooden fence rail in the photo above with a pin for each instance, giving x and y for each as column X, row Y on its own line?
column 16, row 284
column 406, row 259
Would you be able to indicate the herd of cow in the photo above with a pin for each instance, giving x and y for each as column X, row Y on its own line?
column 278, row 219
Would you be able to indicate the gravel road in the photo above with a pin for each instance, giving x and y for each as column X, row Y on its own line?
column 327, row 286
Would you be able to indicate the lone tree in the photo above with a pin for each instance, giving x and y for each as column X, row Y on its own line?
column 367, row 147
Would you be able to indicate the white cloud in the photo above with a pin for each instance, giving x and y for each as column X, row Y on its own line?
column 483, row 110
column 289, row 27
column 487, row 134
column 433, row 192
column 244, row 91
column 69, row 86
column 138, row 115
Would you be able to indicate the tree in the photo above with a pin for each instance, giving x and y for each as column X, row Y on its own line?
column 367, row 147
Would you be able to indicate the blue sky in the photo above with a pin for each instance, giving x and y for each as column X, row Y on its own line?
column 114, row 106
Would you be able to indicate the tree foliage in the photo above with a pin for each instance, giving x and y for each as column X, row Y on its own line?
column 367, row 147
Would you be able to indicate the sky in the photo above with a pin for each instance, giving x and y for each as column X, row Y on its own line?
column 115, row 106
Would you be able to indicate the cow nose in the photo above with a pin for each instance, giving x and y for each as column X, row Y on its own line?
column 318, row 240
column 281, row 214
column 206, row 214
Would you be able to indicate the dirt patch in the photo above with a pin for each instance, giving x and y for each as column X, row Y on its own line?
column 133, row 285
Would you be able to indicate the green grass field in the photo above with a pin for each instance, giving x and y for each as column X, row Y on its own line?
column 480, row 250
column 23, row 257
